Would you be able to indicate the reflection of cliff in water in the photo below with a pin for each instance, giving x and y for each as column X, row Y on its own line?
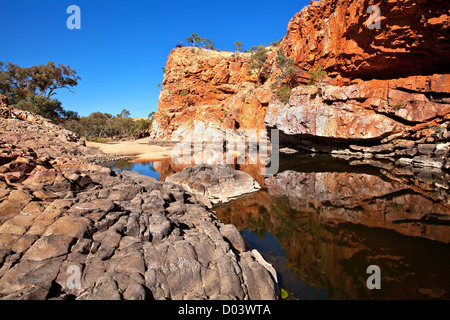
column 333, row 220
column 374, row 201
column 375, row 194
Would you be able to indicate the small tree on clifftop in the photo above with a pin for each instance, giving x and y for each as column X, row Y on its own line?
column 197, row 41
column 238, row 46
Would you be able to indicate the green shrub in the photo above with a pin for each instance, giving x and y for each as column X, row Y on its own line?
column 98, row 126
column 257, row 61
column 287, row 71
column 32, row 88
column 316, row 75
column 43, row 106
column 398, row 106
column 276, row 43
column 284, row 93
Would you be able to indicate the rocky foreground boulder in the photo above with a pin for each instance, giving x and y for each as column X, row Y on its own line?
column 74, row 230
column 218, row 183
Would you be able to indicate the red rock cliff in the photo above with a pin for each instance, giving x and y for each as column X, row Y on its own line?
column 413, row 38
column 385, row 86
column 207, row 91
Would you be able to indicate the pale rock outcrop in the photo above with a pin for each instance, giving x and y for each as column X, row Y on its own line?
column 218, row 183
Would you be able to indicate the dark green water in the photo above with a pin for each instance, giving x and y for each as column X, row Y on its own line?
column 321, row 222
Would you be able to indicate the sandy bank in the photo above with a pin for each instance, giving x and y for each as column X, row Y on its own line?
column 140, row 150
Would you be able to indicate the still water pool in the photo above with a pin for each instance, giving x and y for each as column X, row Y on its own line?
column 321, row 222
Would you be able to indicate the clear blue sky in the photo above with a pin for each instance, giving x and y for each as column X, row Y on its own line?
column 122, row 45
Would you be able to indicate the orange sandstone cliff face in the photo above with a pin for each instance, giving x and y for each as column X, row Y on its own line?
column 205, row 93
column 413, row 38
column 387, row 93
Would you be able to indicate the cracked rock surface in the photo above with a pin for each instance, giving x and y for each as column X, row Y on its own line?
column 70, row 229
column 218, row 183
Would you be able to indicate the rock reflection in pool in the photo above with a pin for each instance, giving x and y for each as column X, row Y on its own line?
column 331, row 220
column 273, row 252
column 315, row 255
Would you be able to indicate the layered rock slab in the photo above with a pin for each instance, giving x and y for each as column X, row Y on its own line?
column 218, row 183
column 120, row 236
column 307, row 114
